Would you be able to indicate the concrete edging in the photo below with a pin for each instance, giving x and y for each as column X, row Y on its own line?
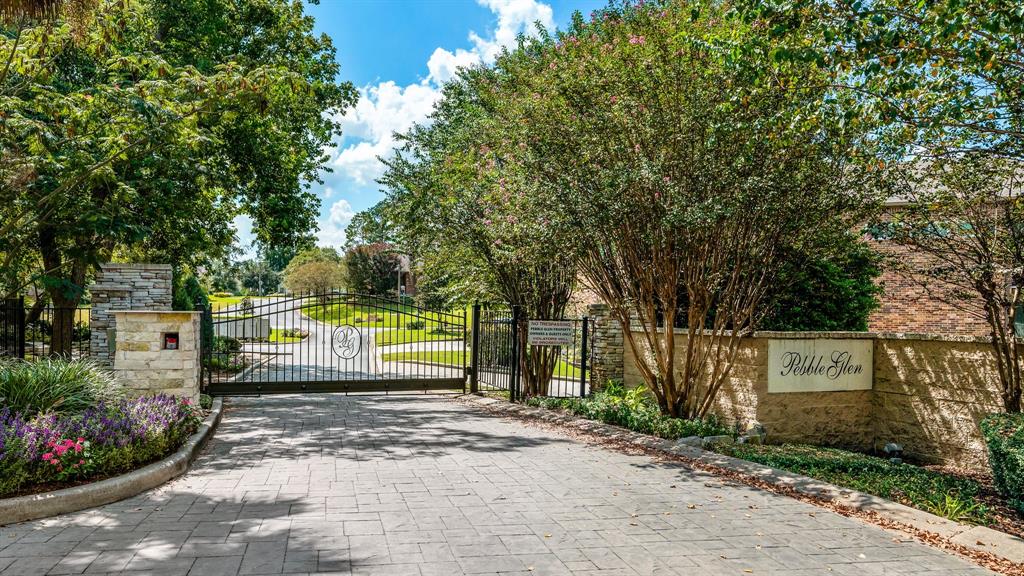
column 36, row 506
column 980, row 538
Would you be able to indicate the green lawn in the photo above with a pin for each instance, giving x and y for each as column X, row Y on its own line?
column 378, row 315
column 455, row 358
column 392, row 337
column 277, row 336
column 218, row 302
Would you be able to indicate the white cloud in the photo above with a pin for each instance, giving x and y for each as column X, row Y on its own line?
column 443, row 64
column 382, row 110
column 388, row 108
column 332, row 230
column 514, row 17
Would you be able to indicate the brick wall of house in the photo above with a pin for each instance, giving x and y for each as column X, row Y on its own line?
column 913, row 305
column 910, row 305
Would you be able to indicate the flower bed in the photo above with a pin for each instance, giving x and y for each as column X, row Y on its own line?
column 50, row 451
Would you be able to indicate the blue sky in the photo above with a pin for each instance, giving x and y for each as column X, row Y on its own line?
column 399, row 53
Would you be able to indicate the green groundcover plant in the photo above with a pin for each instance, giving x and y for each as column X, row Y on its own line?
column 1004, row 434
column 107, row 439
column 55, row 385
column 945, row 495
column 633, row 409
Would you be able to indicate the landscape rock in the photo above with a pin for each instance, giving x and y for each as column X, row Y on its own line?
column 710, row 441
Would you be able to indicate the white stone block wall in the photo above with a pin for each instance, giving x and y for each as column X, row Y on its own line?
column 143, row 364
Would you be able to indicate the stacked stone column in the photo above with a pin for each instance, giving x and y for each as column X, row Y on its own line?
column 608, row 346
column 124, row 287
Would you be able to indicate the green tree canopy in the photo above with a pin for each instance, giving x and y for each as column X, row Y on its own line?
column 145, row 136
column 945, row 76
column 669, row 151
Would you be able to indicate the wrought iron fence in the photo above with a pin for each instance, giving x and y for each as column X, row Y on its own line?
column 499, row 341
column 30, row 331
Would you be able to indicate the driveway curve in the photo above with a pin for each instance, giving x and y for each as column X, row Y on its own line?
column 424, row 485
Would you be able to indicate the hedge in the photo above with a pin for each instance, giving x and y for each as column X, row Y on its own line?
column 1004, row 434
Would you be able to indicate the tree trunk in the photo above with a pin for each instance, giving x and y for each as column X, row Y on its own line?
column 65, row 293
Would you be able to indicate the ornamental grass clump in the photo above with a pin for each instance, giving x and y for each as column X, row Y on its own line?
column 55, row 385
column 107, row 439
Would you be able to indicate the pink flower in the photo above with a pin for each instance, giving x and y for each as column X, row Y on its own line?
column 614, row 99
column 48, row 456
column 634, row 39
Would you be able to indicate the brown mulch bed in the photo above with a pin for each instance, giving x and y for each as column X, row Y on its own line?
column 572, row 430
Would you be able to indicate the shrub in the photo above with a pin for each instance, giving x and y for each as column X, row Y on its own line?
column 943, row 494
column 226, row 345
column 1004, row 434
column 55, row 385
column 223, row 294
column 109, row 438
column 633, row 409
column 415, row 325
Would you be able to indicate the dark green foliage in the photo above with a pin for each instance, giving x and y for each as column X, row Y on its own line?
column 373, row 270
column 944, row 494
column 830, row 293
column 1004, row 434
column 187, row 292
column 633, row 409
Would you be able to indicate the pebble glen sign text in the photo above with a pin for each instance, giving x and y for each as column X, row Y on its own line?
column 819, row 365
column 549, row 333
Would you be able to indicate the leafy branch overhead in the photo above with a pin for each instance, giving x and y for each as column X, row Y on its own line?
column 145, row 135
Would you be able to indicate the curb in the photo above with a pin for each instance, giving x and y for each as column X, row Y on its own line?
column 979, row 538
column 36, row 506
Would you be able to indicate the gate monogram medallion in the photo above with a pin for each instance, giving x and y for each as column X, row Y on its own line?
column 346, row 341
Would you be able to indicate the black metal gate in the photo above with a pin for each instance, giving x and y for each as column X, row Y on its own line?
column 332, row 342
column 499, row 339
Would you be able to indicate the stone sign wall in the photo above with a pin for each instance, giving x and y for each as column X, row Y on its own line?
column 928, row 394
column 818, row 365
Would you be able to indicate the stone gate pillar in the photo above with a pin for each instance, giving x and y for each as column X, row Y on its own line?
column 124, row 287
column 607, row 362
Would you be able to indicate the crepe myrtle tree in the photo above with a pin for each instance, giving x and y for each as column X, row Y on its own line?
column 941, row 77
column 965, row 215
column 672, row 156
column 456, row 190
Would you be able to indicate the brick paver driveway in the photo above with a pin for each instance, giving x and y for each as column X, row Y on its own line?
column 426, row 485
